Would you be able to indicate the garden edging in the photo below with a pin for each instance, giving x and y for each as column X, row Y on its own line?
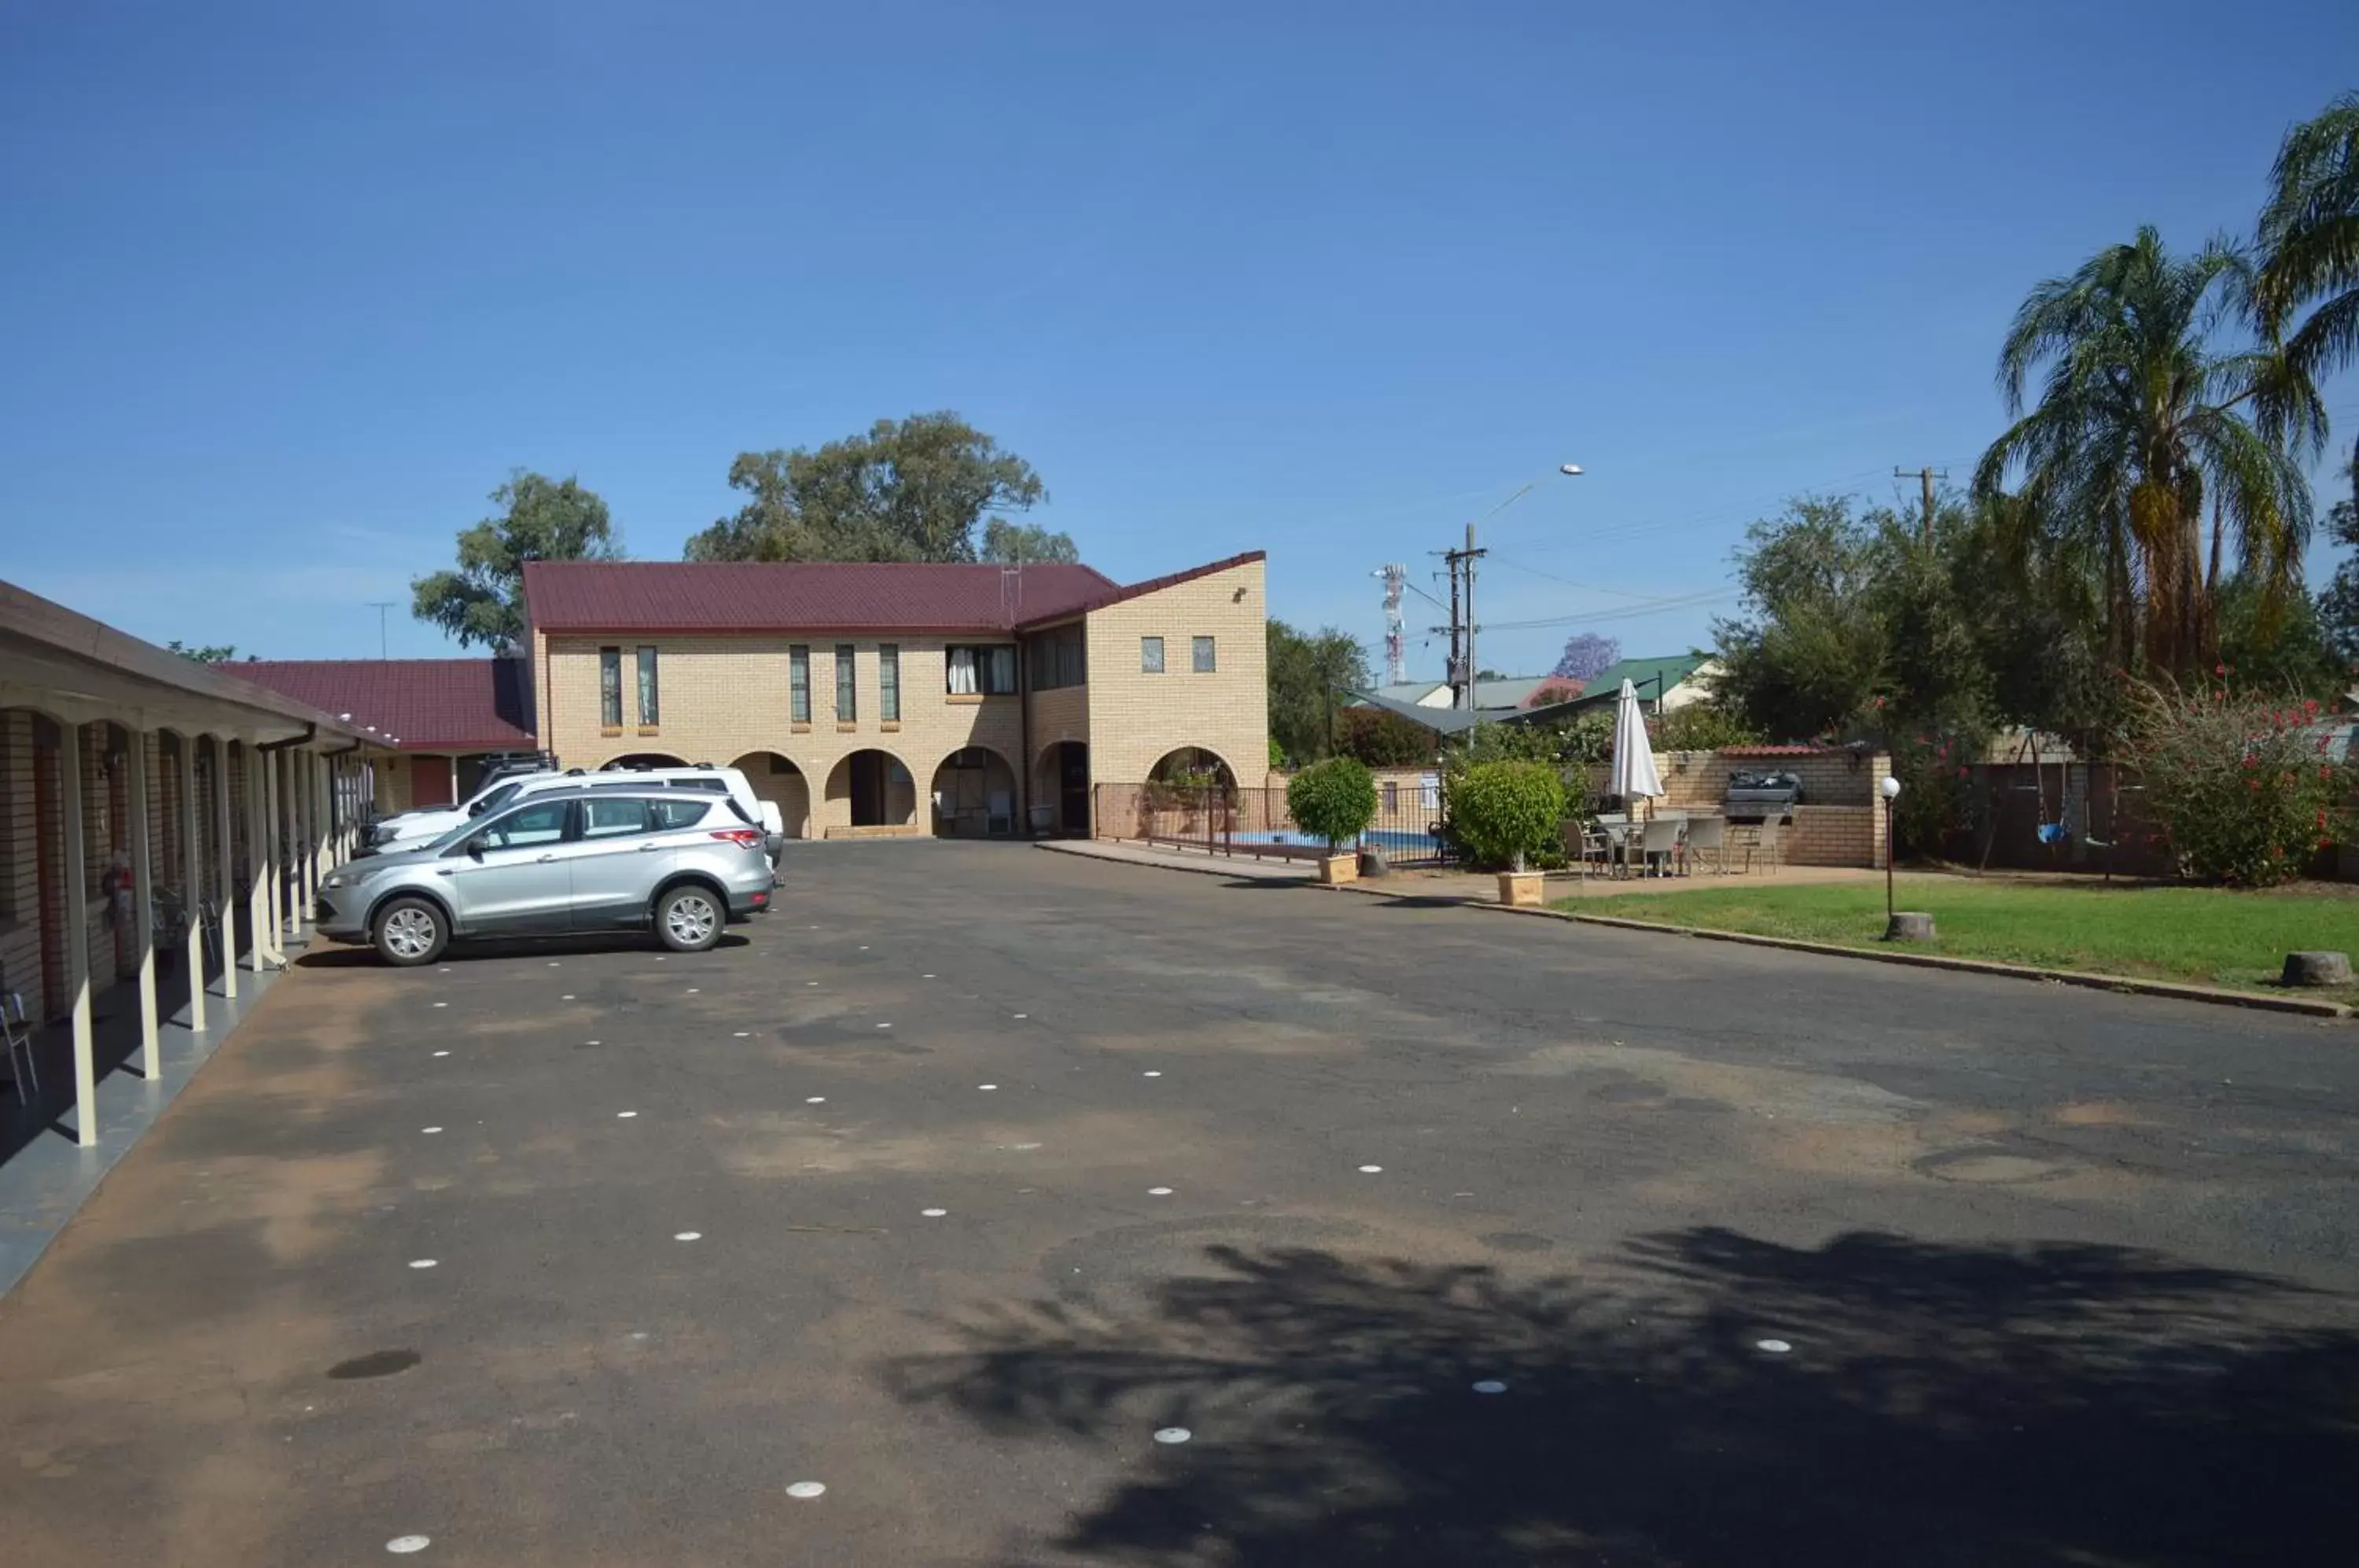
column 2174, row 989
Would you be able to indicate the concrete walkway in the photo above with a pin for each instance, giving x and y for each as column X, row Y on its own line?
column 45, row 1175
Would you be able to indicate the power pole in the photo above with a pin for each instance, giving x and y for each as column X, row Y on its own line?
column 1925, row 477
column 1462, row 564
column 380, row 606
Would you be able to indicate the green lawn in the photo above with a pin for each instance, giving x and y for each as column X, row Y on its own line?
column 2207, row 935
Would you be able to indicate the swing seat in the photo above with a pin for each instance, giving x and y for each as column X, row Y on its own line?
column 2055, row 832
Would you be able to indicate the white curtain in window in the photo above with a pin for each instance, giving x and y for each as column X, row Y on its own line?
column 1002, row 670
column 963, row 672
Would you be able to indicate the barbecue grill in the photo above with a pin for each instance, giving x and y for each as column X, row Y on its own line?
column 1757, row 797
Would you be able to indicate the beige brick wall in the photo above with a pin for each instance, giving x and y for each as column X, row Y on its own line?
column 1136, row 718
column 1833, row 836
column 724, row 699
column 1840, row 822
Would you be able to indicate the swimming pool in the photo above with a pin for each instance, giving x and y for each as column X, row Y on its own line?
column 1392, row 841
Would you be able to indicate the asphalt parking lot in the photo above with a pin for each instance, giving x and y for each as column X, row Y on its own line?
column 1042, row 1210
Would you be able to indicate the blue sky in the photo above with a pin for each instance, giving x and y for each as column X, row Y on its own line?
column 288, row 289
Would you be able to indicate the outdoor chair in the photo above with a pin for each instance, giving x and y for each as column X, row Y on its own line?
column 1709, row 836
column 17, row 1029
column 1659, row 838
column 1764, row 844
column 1588, row 848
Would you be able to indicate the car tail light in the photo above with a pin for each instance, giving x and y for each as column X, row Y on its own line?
column 743, row 838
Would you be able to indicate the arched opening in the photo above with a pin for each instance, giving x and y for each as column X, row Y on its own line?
column 631, row 759
column 1191, row 793
column 1060, row 789
column 1195, row 768
column 776, row 778
column 975, row 795
column 872, row 790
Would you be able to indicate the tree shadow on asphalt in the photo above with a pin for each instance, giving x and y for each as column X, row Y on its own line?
column 2055, row 1403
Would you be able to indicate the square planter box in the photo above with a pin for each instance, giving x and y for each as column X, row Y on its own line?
column 1521, row 888
column 1336, row 869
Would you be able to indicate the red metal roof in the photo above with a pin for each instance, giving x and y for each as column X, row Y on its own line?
column 1777, row 750
column 747, row 596
column 430, row 705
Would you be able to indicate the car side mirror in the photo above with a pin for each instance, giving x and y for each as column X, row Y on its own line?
column 474, row 847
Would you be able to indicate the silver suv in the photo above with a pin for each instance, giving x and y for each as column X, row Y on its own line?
column 682, row 862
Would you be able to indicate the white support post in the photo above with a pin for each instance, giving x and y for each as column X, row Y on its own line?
column 228, row 869
column 143, row 906
column 192, row 883
column 272, row 910
column 258, row 889
column 315, row 852
column 77, row 901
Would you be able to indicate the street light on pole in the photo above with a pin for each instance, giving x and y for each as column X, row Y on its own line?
column 1463, row 560
column 1890, row 790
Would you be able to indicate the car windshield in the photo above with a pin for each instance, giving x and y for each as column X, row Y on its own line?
column 494, row 801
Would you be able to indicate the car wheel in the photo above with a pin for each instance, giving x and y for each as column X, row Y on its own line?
column 690, row 918
column 411, row 931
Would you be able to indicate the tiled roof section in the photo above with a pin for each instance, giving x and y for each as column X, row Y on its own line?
column 645, row 596
column 431, row 705
column 1774, row 750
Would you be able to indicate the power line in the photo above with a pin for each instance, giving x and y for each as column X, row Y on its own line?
column 1665, row 606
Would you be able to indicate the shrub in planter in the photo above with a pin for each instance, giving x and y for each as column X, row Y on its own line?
column 2240, row 785
column 1336, row 799
column 1507, row 813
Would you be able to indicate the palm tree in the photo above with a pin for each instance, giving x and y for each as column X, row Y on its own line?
column 2309, row 248
column 2136, row 426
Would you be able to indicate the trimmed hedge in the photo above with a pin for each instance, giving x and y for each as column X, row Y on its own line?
column 1336, row 799
column 1505, row 814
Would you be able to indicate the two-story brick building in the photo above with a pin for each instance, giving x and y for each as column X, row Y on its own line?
column 903, row 699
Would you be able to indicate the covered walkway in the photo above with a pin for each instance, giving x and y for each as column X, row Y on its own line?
column 163, row 829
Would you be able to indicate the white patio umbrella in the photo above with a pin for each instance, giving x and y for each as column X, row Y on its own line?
column 1634, row 759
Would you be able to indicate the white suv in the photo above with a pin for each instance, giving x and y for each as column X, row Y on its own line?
column 414, row 830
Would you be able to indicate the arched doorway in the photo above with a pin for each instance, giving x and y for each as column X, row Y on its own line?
column 776, row 778
column 1194, row 767
column 1060, row 789
column 975, row 795
column 871, row 789
column 631, row 759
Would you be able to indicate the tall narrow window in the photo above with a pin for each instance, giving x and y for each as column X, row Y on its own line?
column 847, row 697
column 1205, row 665
column 609, row 687
column 799, row 684
column 1150, row 655
column 647, row 705
column 888, row 683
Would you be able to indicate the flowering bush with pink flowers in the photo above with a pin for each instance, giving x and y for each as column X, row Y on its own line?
column 2241, row 785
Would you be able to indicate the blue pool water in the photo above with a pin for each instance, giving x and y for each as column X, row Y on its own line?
column 1397, row 841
